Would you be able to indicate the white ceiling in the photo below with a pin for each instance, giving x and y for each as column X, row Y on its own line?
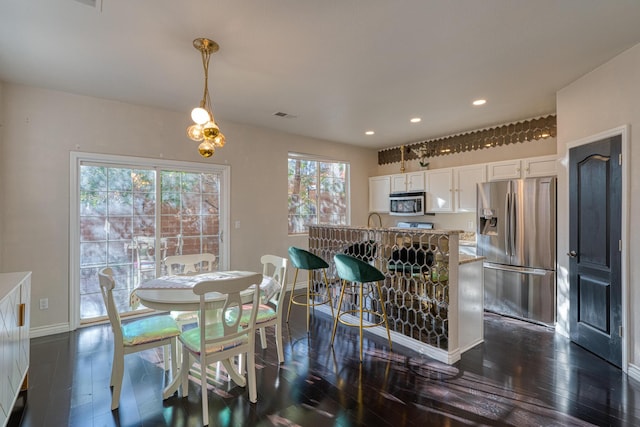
column 340, row 66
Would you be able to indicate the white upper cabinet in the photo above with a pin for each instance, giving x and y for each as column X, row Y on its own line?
column 540, row 166
column 379, row 189
column 524, row 168
column 403, row 182
column 509, row 169
column 466, row 179
column 439, row 190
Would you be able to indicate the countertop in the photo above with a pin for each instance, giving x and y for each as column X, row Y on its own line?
column 465, row 259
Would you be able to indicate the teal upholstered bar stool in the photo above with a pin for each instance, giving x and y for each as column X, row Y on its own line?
column 305, row 260
column 353, row 270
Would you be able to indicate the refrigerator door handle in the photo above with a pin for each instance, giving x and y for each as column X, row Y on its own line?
column 523, row 270
column 507, row 226
column 513, row 223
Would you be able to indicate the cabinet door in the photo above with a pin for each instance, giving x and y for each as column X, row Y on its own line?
column 415, row 181
column 540, row 166
column 379, row 189
column 510, row 169
column 398, row 183
column 466, row 180
column 440, row 190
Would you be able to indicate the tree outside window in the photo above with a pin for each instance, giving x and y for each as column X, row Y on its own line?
column 317, row 193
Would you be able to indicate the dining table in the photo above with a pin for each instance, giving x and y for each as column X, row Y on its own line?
column 175, row 293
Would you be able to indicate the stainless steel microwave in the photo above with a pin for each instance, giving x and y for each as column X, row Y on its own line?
column 407, row 204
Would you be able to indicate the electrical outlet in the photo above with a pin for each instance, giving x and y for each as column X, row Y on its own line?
column 237, row 224
column 470, row 226
column 44, row 303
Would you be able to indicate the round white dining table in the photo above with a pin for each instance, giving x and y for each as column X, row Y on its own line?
column 175, row 293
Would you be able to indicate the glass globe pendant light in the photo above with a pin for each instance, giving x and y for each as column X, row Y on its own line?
column 205, row 130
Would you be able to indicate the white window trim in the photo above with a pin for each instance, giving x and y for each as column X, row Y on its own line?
column 78, row 158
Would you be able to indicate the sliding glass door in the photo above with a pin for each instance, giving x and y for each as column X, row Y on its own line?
column 131, row 214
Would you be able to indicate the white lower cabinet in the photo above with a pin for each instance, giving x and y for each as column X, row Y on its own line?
column 15, row 295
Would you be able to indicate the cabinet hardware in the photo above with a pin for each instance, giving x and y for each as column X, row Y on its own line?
column 21, row 312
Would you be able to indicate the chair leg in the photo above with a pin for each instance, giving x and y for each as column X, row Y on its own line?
column 117, row 372
column 279, row 342
column 165, row 357
column 204, row 394
column 184, row 371
column 293, row 290
column 263, row 338
column 251, row 373
column 174, row 357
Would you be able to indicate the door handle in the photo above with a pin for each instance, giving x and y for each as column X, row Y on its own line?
column 572, row 254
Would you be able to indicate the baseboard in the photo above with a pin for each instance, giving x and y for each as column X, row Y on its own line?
column 633, row 371
column 43, row 331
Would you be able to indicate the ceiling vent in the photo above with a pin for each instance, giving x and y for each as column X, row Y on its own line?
column 284, row 115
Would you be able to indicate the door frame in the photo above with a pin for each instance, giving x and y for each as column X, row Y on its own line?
column 623, row 131
column 76, row 158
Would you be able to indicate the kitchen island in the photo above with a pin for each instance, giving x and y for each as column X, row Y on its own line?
column 433, row 294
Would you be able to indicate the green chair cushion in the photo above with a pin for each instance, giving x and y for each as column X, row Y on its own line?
column 150, row 329
column 191, row 339
column 355, row 270
column 265, row 314
column 305, row 260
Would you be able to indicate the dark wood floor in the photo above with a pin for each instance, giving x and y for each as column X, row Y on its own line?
column 523, row 375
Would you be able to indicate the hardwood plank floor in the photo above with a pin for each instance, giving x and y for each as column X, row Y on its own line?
column 523, row 375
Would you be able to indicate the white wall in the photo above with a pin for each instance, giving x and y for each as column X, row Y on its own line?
column 604, row 99
column 40, row 128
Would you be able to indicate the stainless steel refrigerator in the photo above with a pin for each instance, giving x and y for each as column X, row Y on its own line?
column 517, row 235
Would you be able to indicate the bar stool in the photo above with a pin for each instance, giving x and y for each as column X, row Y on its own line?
column 305, row 260
column 356, row 271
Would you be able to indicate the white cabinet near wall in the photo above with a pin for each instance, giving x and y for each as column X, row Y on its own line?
column 15, row 294
column 379, row 189
column 404, row 182
column 439, row 190
column 523, row 168
column 540, row 166
column 465, row 180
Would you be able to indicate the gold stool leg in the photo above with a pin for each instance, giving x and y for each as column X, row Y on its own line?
column 384, row 315
column 335, row 322
column 361, row 315
column 309, row 275
column 326, row 281
column 293, row 290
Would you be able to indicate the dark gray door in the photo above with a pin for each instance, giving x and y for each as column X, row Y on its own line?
column 595, row 200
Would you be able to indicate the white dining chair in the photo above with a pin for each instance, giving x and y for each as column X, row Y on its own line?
column 188, row 264
column 271, row 307
column 135, row 336
column 224, row 339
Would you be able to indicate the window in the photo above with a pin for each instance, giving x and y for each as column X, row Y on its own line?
column 318, row 193
column 131, row 214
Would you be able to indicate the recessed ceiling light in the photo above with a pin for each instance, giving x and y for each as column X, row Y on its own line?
column 479, row 102
column 415, row 120
column 369, row 132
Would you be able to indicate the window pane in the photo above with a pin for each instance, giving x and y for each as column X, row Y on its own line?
column 317, row 194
